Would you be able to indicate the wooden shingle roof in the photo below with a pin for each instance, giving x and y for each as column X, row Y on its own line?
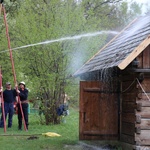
column 122, row 49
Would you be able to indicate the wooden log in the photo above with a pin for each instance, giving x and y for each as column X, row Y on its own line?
column 141, row 70
column 145, row 110
column 138, row 130
column 139, row 96
column 144, row 96
column 144, row 125
column 138, row 148
column 143, row 138
column 139, row 106
column 145, row 134
column 142, row 148
column 138, row 118
column 144, row 103
column 144, row 113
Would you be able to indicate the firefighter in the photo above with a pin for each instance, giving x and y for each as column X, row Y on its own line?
column 9, row 96
column 23, row 94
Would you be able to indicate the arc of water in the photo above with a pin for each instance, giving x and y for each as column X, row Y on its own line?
column 64, row 39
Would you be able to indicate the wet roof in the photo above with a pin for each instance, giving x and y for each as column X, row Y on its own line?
column 120, row 47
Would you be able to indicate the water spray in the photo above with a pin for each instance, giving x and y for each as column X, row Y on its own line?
column 64, row 39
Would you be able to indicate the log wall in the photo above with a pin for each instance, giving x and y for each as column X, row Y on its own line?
column 142, row 126
column 128, row 106
column 135, row 104
column 135, row 111
column 142, row 135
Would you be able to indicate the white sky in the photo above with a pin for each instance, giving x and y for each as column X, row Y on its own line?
column 145, row 3
column 142, row 1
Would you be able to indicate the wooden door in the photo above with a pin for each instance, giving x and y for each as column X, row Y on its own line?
column 98, row 112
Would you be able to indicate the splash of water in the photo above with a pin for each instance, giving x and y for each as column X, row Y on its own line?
column 64, row 39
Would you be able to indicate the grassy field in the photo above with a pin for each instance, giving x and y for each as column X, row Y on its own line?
column 18, row 140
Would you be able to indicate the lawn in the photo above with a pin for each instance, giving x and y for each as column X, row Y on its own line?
column 20, row 140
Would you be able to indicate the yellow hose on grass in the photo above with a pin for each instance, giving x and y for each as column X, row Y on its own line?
column 47, row 134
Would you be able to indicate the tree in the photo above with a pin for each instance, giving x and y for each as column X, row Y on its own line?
column 11, row 8
column 46, row 65
column 46, row 68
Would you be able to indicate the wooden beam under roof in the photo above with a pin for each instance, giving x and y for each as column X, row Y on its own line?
column 134, row 53
column 140, row 70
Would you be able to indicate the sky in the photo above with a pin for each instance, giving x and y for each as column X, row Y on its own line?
column 144, row 2
column 140, row 1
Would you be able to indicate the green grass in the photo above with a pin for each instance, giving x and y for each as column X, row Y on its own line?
column 18, row 140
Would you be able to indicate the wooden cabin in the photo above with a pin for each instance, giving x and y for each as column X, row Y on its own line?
column 115, row 89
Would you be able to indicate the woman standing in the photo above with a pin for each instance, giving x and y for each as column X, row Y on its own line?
column 23, row 94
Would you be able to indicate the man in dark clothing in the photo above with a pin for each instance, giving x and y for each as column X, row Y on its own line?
column 23, row 94
column 9, row 96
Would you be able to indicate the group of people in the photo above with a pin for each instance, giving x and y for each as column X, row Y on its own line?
column 9, row 97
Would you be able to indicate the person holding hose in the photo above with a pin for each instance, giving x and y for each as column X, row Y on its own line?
column 23, row 94
column 9, row 96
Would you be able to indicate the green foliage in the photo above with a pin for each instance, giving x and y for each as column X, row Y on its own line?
column 47, row 68
column 46, row 65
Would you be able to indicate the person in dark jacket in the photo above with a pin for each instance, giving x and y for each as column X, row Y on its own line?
column 9, row 96
column 23, row 94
